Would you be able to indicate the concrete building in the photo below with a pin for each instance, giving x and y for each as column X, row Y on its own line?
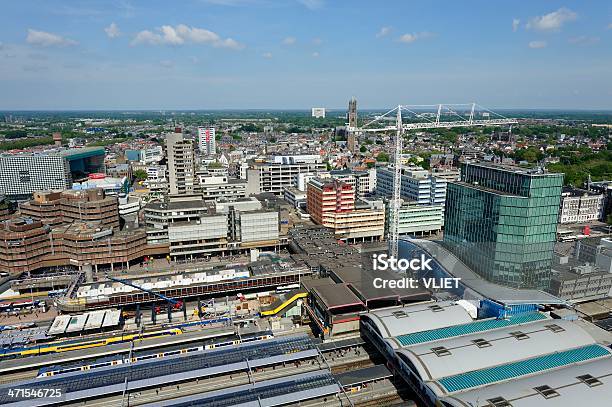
column 158, row 215
column 91, row 205
column 280, row 171
column 295, row 197
column 181, row 164
column 152, row 155
column 581, row 206
column 364, row 181
column 332, row 204
column 23, row 174
column 502, row 222
column 215, row 187
column 576, row 282
column 206, row 140
column 194, row 228
column 29, row 245
column 156, row 181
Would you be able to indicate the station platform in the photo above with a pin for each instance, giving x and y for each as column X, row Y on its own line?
column 274, row 392
column 83, row 385
column 35, row 362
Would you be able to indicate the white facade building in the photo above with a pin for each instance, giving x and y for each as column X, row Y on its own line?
column 318, row 112
column 206, row 140
column 580, row 206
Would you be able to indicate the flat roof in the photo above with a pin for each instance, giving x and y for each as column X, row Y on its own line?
column 337, row 296
column 363, row 375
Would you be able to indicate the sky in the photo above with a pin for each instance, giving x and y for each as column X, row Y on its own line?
column 297, row 54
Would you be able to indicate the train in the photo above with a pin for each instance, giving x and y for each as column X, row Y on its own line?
column 87, row 344
column 57, row 370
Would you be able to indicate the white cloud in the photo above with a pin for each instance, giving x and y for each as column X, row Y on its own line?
column 609, row 26
column 317, row 41
column 112, row 31
column 537, row 44
column 383, row 32
column 181, row 34
column 410, row 38
column 583, row 40
column 46, row 39
column 312, row 4
column 267, row 55
column 315, row 54
column 515, row 24
column 288, row 41
column 166, row 64
column 552, row 21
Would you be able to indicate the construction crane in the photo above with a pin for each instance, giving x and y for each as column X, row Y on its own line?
column 439, row 120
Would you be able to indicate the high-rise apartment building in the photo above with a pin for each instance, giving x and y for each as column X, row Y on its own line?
column 23, row 174
column 206, row 140
column 502, row 222
column 181, row 163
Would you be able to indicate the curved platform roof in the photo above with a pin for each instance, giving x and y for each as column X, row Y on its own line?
column 497, row 347
column 397, row 321
column 568, row 390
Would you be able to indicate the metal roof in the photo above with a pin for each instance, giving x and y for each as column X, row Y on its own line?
column 274, row 392
column 494, row 348
column 364, row 375
column 398, row 321
column 522, row 368
column 521, row 392
column 466, row 329
column 155, row 372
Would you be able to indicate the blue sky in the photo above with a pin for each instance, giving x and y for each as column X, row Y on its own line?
column 292, row 54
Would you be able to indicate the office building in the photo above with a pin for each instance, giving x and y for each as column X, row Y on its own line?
column 418, row 185
column 278, row 172
column 364, row 181
column 216, row 187
column 194, row 228
column 318, row 112
column 152, row 155
column 23, row 174
column 206, row 140
column 502, row 221
column 181, row 164
column 417, row 220
column 581, row 206
column 332, row 203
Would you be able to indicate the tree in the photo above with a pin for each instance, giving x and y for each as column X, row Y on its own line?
column 382, row 157
column 140, row 175
column 363, row 149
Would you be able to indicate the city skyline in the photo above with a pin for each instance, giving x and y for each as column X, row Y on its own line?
column 294, row 55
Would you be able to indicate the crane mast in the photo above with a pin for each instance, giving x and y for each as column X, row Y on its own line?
column 400, row 128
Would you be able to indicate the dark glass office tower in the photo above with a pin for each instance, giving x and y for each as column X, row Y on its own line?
column 502, row 222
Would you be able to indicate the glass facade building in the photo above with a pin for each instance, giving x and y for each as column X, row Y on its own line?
column 502, row 222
